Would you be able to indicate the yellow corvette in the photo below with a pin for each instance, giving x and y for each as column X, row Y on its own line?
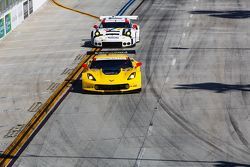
column 111, row 73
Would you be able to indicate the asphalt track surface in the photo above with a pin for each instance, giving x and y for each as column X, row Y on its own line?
column 38, row 55
column 194, row 106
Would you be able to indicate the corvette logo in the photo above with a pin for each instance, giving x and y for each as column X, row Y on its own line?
column 111, row 80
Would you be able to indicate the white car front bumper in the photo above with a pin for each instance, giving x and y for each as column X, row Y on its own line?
column 113, row 41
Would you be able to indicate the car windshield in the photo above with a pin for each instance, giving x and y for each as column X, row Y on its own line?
column 111, row 64
column 115, row 25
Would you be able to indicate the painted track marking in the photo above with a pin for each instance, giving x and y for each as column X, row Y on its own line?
column 173, row 62
column 74, row 10
column 15, row 148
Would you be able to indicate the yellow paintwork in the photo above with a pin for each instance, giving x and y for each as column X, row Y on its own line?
column 121, row 78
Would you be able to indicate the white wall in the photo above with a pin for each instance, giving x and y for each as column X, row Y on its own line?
column 17, row 13
column 38, row 3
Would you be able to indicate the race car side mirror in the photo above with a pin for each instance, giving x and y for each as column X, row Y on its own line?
column 85, row 66
column 135, row 26
column 95, row 26
column 138, row 64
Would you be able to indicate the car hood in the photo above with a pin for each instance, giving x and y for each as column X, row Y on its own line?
column 111, row 76
column 111, row 31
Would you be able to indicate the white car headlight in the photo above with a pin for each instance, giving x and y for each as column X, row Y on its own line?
column 128, row 33
column 91, row 77
column 132, row 76
column 97, row 33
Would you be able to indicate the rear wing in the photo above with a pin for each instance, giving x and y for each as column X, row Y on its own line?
column 112, row 52
column 119, row 17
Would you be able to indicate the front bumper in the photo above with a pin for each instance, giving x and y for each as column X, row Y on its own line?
column 113, row 41
column 118, row 87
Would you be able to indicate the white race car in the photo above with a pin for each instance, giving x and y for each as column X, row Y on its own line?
column 116, row 31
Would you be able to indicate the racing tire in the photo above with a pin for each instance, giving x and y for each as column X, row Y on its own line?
column 138, row 90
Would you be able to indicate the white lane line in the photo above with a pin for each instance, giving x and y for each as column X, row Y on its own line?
column 167, row 79
column 140, row 157
column 183, row 35
column 194, row 7
column 142, row 151
column 173, row 62
column 191, row 16
column 188, row 24
column 150, row 129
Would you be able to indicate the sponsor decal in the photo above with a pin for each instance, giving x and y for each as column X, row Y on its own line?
column 2, row 31
column 113, row 37
column 30, row 6
column 25, row 9
column 8, row 23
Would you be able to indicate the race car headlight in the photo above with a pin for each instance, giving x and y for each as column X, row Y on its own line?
column 132, row 76
column 91, row 77
column 97, row 33
column 128, row 33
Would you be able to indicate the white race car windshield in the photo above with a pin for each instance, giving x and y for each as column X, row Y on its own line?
column 115, row 25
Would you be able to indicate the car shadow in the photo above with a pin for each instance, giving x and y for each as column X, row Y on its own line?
column 230, row 164
column 214, row 87
column 228, row 14
column 86, row 43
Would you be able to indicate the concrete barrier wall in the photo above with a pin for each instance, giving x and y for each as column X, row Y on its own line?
column 17, row 14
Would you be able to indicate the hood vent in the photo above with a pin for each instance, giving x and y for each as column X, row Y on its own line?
column 111, row 71
column 112, row 34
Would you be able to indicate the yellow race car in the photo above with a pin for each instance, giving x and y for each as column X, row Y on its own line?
column 112, row 73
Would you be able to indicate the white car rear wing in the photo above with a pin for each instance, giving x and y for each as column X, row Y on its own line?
column 111, row 52
column 119, row 17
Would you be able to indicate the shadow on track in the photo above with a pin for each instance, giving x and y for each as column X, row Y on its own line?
column 230, row 14
column 86, row 43
column 229, row 164
column 215, row 87
column 214, row 163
